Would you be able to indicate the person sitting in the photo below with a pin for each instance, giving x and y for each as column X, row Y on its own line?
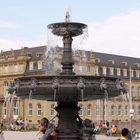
column 113, row 129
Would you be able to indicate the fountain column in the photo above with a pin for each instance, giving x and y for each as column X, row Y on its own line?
column 67, row 59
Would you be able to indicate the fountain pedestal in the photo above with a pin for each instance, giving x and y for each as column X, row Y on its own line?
column 68, row 124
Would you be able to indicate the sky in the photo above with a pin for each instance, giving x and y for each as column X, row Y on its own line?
column 113, row 25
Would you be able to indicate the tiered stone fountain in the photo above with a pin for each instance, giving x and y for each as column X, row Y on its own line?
column 67, row 87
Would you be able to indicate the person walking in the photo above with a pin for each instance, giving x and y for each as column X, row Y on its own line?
column 1, row 135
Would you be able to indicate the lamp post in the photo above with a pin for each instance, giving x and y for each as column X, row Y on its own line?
column 131, row 110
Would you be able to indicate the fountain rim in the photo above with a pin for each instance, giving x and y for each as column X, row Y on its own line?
column 67, row 76
column 58, row 24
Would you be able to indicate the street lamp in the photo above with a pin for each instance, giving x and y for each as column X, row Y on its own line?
column 131, row 113
column 131, row 110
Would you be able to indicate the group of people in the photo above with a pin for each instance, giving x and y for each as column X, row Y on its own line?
column 18, row 125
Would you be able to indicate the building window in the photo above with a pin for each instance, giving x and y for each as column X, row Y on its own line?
column 15, row 68
column 96, row 70
column 4, row 109
column 30, row 110
column 88, row 69
column 132, row 91
column 124, row 72
column 119, row 110
column 81, row 112
column 104, row 70
column 111, row 71
column 15, row 108
column 5, row 69
column 132, row 73
column 39, row 109
column 112, row 110
column 137, row 73
column 53, row 112
column 89, row 110
column 31, row 65
column 118, row 72
column 139, row 110
column 39, row 65
column 5, row 90
column 126, row 110
column 138, row 91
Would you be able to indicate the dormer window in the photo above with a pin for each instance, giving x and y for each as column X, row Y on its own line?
column 132, row 73
column 111, row 71
column 118, row 71
column 96, row 70
column 111, row 61
column 104, row 70
column 137, row 73
column 39, row 54
column 31, row 65
column 39, row 65
column 124, row 72
column 98, row 60
column 29, row 54
column 124, row 63
column 137, row 64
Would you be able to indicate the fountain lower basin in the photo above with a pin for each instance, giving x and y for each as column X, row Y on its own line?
column 67, row 88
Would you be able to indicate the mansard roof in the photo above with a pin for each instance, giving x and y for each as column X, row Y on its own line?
column 104, row 58
column 118, row 59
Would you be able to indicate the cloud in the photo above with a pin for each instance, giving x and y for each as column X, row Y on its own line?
column 7, row 44
column 118, row 34
column 7, row 24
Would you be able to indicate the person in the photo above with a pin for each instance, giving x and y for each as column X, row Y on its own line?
column 113, row 129
column 1, row 135
column 137, row 136
column 124, row 134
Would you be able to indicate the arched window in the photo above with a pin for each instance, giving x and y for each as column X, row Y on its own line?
column 53, row 112
column 5, row 94
column 132, row 91
column 15, row 108
column 89, row 110
column 126, row 110
column 138, row 91
column 39, row 109
column 81, row 112
column 112, row 110
column 119, row 110
column 30, row 109
column 139, row 110
column 4, row 109
column 39, row 63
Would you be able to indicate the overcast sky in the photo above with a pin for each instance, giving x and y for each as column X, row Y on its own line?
column 113, row 25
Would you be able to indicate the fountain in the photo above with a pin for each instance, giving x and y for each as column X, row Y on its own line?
column 67, row 87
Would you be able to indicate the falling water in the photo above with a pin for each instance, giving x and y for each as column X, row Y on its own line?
column 30, row 95
column 106, row 100
column 82, row 95
column 54, row 95
column 48, row 60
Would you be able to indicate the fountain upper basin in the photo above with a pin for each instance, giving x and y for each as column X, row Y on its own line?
column 67, row 88
column 67, row 28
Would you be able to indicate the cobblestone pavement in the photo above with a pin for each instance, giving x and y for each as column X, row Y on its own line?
column 12, row 135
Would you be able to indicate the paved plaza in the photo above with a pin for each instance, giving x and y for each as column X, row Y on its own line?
column 12, row 135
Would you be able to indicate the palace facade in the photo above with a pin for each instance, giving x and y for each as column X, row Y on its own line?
column 44, row 60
